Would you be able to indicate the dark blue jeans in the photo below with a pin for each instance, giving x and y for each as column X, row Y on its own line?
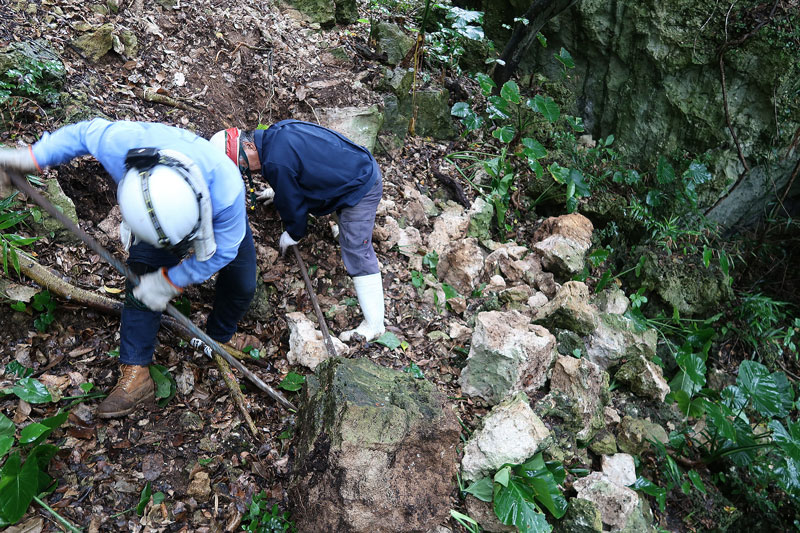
column 234, row 289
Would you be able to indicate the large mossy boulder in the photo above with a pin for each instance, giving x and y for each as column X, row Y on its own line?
column 32, row 69
column 375, row 451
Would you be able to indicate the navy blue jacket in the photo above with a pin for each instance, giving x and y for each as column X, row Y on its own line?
column 312, row 170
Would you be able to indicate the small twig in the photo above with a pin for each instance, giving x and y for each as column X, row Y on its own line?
column 63, row 521
column 236, row 393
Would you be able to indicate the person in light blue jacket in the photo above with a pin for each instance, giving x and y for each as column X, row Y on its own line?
column 184, row 220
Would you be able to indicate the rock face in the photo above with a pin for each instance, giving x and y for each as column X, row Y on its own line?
column 376, row 451
column 616, row 504
column 391, row 40
column 586, row 385
column 359, row 124
column 507, row 355
column 511, row 433
column 569, row 309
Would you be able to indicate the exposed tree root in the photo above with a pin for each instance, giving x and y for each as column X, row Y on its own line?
column 31, row 268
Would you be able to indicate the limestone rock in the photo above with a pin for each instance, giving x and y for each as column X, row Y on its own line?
column 306, row 344
column 63, row 203
column 582, row 516
column 97, row 43
column 645, row 378
column 615, row 503
column 375, row 451
column 563, row 242
column 449, row 226
column 612, row 300
column 510, row 433
column 480, row 215
column 616, row 339
column 433, row 117
column 586, row 385
column 359, row 124
column 507, row 354
column 390, row 234
column 634, row 434
column 483, row 513
column 604, row 443
column 569, row 309
column 460, row 264
column 391, row 40
column 619, row 468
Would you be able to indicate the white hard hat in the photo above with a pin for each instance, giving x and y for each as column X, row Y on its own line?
column 159, row 205
column 228, row 141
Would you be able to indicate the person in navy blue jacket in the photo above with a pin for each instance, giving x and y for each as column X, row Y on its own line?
column 176, row 194
column 315, row 170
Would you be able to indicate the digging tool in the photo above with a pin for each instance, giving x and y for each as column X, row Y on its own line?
column 320, row 317
column 22, row 184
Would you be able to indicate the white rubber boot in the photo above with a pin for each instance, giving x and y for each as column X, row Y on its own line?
column 369, row 290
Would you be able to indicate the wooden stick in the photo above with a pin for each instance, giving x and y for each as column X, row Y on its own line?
column 31, row 268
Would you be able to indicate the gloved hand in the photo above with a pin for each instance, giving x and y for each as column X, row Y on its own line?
column 265, row 196
column 286, row 242
column 19, row 159
column 155, row 290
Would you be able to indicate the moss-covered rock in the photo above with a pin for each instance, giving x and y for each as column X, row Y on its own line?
column 582, row 516
column 682, row 283
column 95, row 44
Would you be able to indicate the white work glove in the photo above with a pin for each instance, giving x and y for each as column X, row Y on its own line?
column 286, row 242
column 265, row 196
column 369, row 290
column 19, row 159
column 155, row 290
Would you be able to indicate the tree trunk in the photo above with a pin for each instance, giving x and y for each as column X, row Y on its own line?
column 538, row 14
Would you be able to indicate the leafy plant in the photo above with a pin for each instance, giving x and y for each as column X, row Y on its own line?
column 520, row 493
column 263, row 518
column 23, row 477
column 292, row 382
column 446, row 45
column 166, row 387
column 34, row 78
column 10, row 217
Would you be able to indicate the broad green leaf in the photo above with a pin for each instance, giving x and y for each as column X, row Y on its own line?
column 486, row 83
column 292, row 382
column 6, row 442
column 697, row 481
column 504, row 134
column 559, row 173
column 18, row 486
column 414, row 370
column 770, row 394
column 692, row 376
column 473, row 122
column 514, row 505
column 576, row 123
column 697, row 173
column 536, row 167
column 565, row 58
column 665, row 174
column 32, row 391
column 389, row 340
column 503, row 475
column 33, row 431
column 690, row 408
column 460, row 109
column 166, row 387
column 539, row 476
column 497, row 108
column 158, row 498
column 733, row 398
column 717, row 417
column 604, row 279
column 533, row 149
column 481, row 489
column 510, row 91
column 547, row 107
column 542, row 39
column 598, row 257
column 787, row 439
column 7, row 427
column 38, row 459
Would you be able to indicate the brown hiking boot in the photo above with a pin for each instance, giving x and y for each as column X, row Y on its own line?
column 135, row 386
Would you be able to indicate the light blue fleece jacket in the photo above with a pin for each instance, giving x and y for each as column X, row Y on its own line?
column 109, row 142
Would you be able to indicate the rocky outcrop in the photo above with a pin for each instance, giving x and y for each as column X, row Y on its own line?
column 375, row 451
